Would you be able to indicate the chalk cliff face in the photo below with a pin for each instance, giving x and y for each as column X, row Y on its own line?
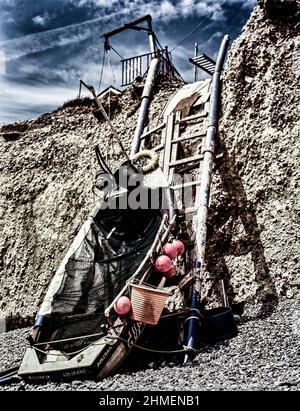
column 47, row 170
column 48, row 166
column 255, row 216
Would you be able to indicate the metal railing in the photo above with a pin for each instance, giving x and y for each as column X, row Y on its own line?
column 139, row 65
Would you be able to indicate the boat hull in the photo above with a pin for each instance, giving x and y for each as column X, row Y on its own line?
column 96, row 361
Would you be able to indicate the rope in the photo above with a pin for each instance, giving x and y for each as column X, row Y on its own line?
column 157, row 41
column 183, row 350
column 111, row 75
column 134, row 69
column 117, row 52
column 101, row 161
column 111, row 69
column 101, row 73
column 78, row 338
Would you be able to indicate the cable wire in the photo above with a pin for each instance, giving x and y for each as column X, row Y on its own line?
column 198, row 26
column 134, row 69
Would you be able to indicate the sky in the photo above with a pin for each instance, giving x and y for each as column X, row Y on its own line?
column 47, row 46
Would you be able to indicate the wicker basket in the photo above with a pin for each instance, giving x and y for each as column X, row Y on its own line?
column 147, row 303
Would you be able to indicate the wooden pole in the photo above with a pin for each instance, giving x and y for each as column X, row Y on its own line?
column 99, row 104
column 195, row 67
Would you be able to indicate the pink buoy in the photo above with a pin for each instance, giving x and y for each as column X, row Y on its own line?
column 163, row 264
column 170, row 250
column 180, row 247
column 122, row 306
column 171, row 273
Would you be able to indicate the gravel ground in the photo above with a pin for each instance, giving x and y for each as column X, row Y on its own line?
column 264, row 356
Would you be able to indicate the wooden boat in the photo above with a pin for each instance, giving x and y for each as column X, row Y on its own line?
column 72, row 338
column 78, row 334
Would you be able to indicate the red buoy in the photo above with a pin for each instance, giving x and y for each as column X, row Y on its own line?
column 163, row 264
column 170, row 250
column 180, row 247
column 171, row 273
column 123, row 305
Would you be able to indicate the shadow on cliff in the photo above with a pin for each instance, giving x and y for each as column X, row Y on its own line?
column 231, row 206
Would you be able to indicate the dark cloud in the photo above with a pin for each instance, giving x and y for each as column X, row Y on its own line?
column 20, row 18
column 50, row 44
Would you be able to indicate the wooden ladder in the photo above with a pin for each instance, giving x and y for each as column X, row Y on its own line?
column 177, row 135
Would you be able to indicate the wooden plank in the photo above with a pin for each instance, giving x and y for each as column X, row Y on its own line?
column 207, row 107
column 168, row 145
column 142, row 147
column 174, row 147
column 159, row 147
column 188, row 184
column 153, row 130
column 186, row 281
column 163, row 142
column 197, row 158
column 193, row 117
column 189, row 210
column 189, row 137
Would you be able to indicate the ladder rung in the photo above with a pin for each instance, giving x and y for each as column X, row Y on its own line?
column 184, row 185
column 189, row 137
column 158, row 147
column 188, row 210
column 203, row 59
column 153, row 130
column 204, row 63
column 193, row 117
column 186, row 160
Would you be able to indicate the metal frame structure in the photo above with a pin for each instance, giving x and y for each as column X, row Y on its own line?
column 150, row 80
